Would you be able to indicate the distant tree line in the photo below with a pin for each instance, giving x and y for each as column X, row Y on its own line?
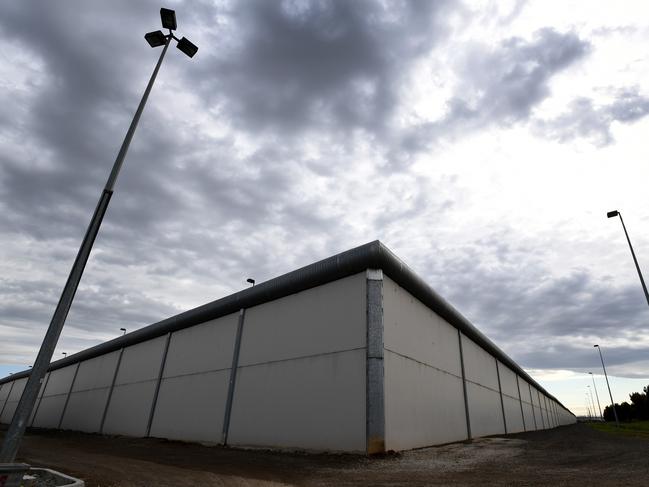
column 637, row 410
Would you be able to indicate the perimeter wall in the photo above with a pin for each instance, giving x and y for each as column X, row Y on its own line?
column 355, row 364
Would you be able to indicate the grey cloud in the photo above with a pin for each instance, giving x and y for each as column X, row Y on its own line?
column 503, row 286
column 334, row 64
column 500, row 85
column 586, row 120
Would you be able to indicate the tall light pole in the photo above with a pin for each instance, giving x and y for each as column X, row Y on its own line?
column 612, row 214
column 27, row 400
column 607, row 384
column 596, row 395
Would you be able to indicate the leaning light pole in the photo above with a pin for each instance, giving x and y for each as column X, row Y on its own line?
column 615, row 213
column 607, row 384
column 27, row 400
column 596, row 395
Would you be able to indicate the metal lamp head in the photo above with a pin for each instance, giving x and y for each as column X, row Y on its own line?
column 613, row 213
column 595, row 345
column 156, row 38
column 187, row 47
column 251, row 281
column 168, row 18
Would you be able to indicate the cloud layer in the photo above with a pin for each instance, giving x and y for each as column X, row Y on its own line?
column 300, row 129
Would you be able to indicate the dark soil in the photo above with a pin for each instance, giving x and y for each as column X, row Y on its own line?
column 571, row 455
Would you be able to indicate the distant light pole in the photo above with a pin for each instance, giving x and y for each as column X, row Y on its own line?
column 596, row 395
column 607, row 384
column 612, row 214
column 592, row 400
column 251, row 281
column 65, row 354
column 123, row 330
column 28, row 399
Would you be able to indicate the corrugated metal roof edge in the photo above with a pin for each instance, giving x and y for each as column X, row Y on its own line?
column 373, row 255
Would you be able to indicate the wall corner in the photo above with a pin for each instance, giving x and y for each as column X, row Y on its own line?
column 375, row 385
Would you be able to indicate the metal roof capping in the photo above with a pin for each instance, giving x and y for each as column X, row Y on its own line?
column 373, row 255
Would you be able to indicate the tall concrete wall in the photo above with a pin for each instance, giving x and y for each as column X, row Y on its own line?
column 425, row 402
column 423, row 376
column 354, row 363
column 303, row 357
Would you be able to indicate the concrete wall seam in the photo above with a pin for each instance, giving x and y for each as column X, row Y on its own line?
column 536, row 426
column 466, row 399
column 375, row 385
column 40, row 399
column 157, row 385
column 500, row 391
column 110, row 392
column 233, row 377
column 7, row 398
column 520, row 401
column 67, row 397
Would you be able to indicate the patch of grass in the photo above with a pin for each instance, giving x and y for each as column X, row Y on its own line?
column 639, row 429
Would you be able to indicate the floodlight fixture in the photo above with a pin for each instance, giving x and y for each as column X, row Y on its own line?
column 168, row 18
column 156, row 38
column 187, row 47
column 65, row 354
column 251, row 281
column 613, row 213
column 124, row 330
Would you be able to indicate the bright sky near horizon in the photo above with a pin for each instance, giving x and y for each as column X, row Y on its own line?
column 482, row 141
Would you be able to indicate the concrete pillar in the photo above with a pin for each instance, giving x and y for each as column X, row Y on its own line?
column 375, row 384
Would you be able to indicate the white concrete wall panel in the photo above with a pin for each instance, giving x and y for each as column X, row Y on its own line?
column 129, row 409
column 60, row 381
column 41, row 391
column 191, row 407
column 507, row 381
column 202, row 348
column 4, row 392
column 327, row 318
column 313, row 403
column 423, row 406
column 414, row 330
column 141, row 362
column 96, row 373
column 513, row 414
column 49, row 414
column 479, row 366
column 529, row 416
column 485, row 410
column 85, row 409
column 12, row 400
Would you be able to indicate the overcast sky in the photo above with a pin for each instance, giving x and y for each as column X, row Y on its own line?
column 483, row 142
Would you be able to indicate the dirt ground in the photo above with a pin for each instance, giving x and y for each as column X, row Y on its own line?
column 572, row 455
